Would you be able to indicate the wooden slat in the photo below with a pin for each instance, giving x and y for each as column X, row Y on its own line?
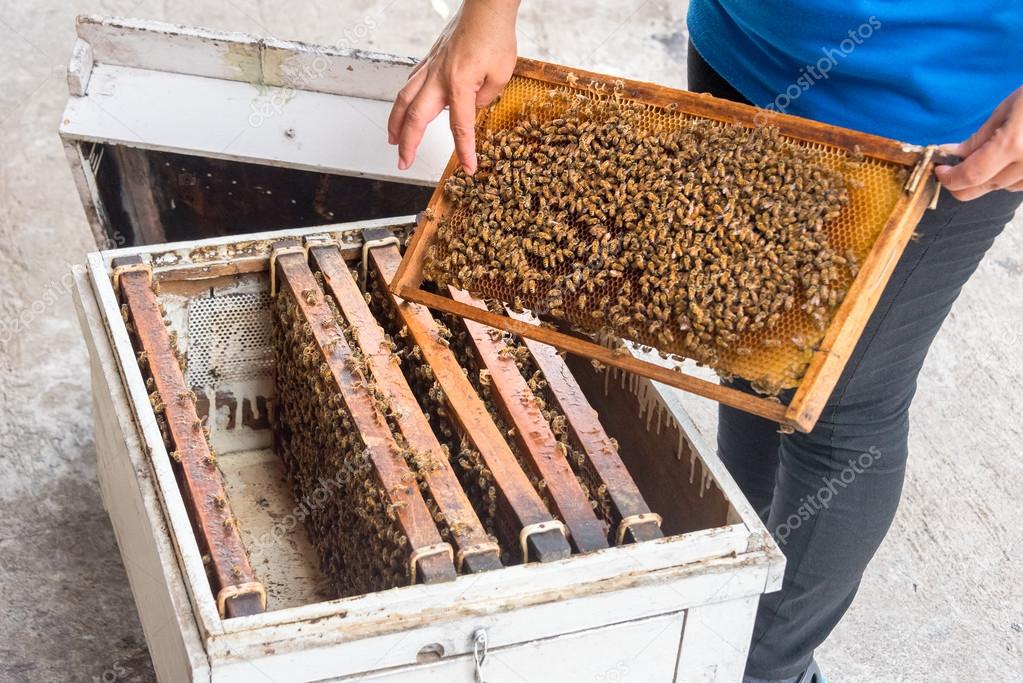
column 466, row 530
column 397, row 482
column 518, row 504
column 537, row 443
column 202, row 487
column 619, row 358
column 588, row 433
column 138, row 194
column 852, row 316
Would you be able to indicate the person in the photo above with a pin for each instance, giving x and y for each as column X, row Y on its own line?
column 922, row 72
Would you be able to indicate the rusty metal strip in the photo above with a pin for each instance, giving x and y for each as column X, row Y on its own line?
column 467, row 532
column 627, row 503
column 537, row 442
column 397, row 482
column 519, row 505
column 201, row 484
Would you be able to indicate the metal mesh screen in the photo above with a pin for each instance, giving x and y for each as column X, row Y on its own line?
column 229, row 339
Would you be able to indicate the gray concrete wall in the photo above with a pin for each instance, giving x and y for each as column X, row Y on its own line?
column 942, row 602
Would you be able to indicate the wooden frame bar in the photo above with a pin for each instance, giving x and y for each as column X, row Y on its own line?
column 519, row 505
column 477, row 551
column 849, row 320
column 536, row 441
column 238, row 591
column 397, row 482
column 584, row 426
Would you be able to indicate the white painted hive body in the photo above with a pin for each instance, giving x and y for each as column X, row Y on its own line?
column 676, row 609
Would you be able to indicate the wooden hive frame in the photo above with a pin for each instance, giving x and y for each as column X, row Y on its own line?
column 238, row 591
column 633, row 519
column 530, row 527
column 430, row 559
column 475, row 551
column 848, row 321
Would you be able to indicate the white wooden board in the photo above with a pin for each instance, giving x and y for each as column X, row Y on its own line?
column 237, row 121
column 162, row 46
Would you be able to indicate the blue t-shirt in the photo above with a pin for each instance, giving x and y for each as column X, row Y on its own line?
column 921, row 71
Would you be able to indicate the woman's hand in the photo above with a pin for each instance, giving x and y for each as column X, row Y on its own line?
column 466, row 68
column 992, row 157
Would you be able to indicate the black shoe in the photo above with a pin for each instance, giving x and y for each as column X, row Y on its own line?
column 812, row 674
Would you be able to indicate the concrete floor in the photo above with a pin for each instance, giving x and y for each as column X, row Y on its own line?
column 942, row 602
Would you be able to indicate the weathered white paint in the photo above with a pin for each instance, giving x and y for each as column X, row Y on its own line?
column 223, row 55
column 233, row 120
column 238, row 97
column 716, row 641
column 639, row 650
column 79, row 68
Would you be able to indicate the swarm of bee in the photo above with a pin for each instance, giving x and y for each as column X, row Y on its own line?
column 472, row 471
column 418, row 462
column 690, row 240
column 587, row 477
column 360, row 545
column 510, row 347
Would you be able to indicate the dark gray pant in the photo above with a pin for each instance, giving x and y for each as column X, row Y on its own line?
column 829, row 496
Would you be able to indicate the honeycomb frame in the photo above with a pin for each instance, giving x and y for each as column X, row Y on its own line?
column 890, row 185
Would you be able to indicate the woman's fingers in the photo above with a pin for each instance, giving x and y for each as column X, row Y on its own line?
column 462, row 117
column 458, row 73
column 427, row 104
column 981, row 165
column 404, row 98
column 1008, row 178
column 992, row 157
column 489, row 91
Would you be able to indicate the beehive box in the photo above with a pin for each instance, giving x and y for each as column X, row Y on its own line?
column 677, row 608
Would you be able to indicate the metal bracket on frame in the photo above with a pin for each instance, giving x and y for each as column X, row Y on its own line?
column 372, row 238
